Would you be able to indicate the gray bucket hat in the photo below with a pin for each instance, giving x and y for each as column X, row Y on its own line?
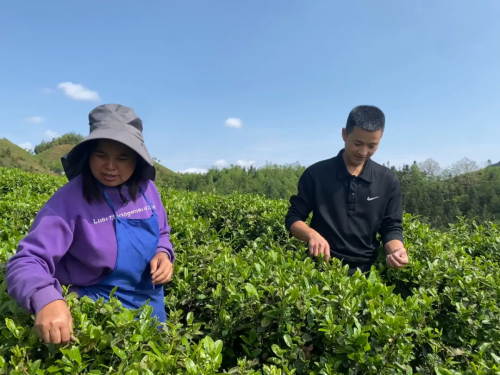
column 114, row 122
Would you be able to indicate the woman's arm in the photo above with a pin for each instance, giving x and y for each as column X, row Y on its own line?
column 164, row 244
column 30, row 273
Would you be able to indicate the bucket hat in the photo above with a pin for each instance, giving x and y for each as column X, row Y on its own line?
column 115, row 122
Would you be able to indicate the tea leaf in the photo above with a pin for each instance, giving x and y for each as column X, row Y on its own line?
column 120, row 353
column 191, row 366
column 246, row 297
column 34, row 367
column 288, row 340
column 251, row 290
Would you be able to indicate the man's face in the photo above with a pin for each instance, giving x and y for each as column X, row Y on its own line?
column 360, row 144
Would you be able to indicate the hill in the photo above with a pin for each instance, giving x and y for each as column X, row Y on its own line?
column 14, row 156
column 51, row 158
column 162, row 171
column 65, row 139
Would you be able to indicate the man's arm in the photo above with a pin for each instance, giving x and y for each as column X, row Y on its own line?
column 393, row 246
column 391, row 228
column 301, row 231
column 301, row 206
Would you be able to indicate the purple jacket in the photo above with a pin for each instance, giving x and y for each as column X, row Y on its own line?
column 74, row 243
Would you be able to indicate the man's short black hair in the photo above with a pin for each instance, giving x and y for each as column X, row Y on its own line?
column 367, row 117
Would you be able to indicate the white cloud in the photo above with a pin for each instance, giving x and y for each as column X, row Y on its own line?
column 195, row 170
column 220, row 163
column 27, row 146
column 46, row 90
column 35, row 119
column 50, row 135
column 245, row 164
column 78, row 92
column 234, row 123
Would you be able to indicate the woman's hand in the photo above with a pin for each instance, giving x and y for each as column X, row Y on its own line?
column 54, row 323
column 161, row 269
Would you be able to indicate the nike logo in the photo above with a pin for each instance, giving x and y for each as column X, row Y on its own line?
column 370, row 199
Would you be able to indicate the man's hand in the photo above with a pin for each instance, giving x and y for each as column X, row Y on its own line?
column 54, row 323
column 161, row 269
column 318, row 245
column 397, row 259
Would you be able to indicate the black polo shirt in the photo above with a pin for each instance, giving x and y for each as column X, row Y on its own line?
column 349, row 211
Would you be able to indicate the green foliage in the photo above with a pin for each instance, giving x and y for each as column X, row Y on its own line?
column 246, row 299
column 437, row 196
column 14, row 156
column 272, row 181
column 437, row 200
column 66, row 139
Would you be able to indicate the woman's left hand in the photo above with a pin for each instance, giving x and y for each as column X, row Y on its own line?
column 161, row 269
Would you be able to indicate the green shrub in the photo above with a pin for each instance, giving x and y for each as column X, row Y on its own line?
column 246, row 299
column 66, row 139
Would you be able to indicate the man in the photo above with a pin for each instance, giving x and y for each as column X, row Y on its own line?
column 352, row 199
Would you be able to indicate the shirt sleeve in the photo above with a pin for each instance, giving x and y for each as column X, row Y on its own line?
column 30, row 272
column 301, row 204
column 391, row 227
column 164, row 244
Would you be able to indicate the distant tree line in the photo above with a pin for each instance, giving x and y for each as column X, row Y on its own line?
column 272, row 180
column 66, row 139
column 438, row 196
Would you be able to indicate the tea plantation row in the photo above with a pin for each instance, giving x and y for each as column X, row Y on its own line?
column 247, row 299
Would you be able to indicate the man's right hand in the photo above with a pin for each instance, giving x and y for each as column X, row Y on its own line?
column 318, row 245
column 54, row 323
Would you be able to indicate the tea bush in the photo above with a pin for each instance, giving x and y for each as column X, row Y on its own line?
column 247, row 299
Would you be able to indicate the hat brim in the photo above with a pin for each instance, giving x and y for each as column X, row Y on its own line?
column 73, row 161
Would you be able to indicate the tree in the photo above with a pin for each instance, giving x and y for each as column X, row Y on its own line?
column 487, row 164
column 66, row 139
column 463, row 166
column 430, row 167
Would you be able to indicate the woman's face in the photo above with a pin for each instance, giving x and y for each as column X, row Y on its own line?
column 112, row 163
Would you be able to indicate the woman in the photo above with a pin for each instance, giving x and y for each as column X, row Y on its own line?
column 106, row 227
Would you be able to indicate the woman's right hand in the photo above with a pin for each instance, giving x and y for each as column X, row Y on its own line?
column 54, row 323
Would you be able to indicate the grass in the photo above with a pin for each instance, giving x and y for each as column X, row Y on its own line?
column 51, row 158
column 14, row 156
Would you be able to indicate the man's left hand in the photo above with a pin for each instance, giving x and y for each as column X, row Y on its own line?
column 397, row 259
column 161, row 269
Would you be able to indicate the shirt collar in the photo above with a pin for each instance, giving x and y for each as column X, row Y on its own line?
column 342, row 172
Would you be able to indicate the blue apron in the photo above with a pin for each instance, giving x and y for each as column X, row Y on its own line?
column 137, row 241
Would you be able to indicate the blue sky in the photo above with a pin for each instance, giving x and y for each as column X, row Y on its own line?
column 290, row 71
